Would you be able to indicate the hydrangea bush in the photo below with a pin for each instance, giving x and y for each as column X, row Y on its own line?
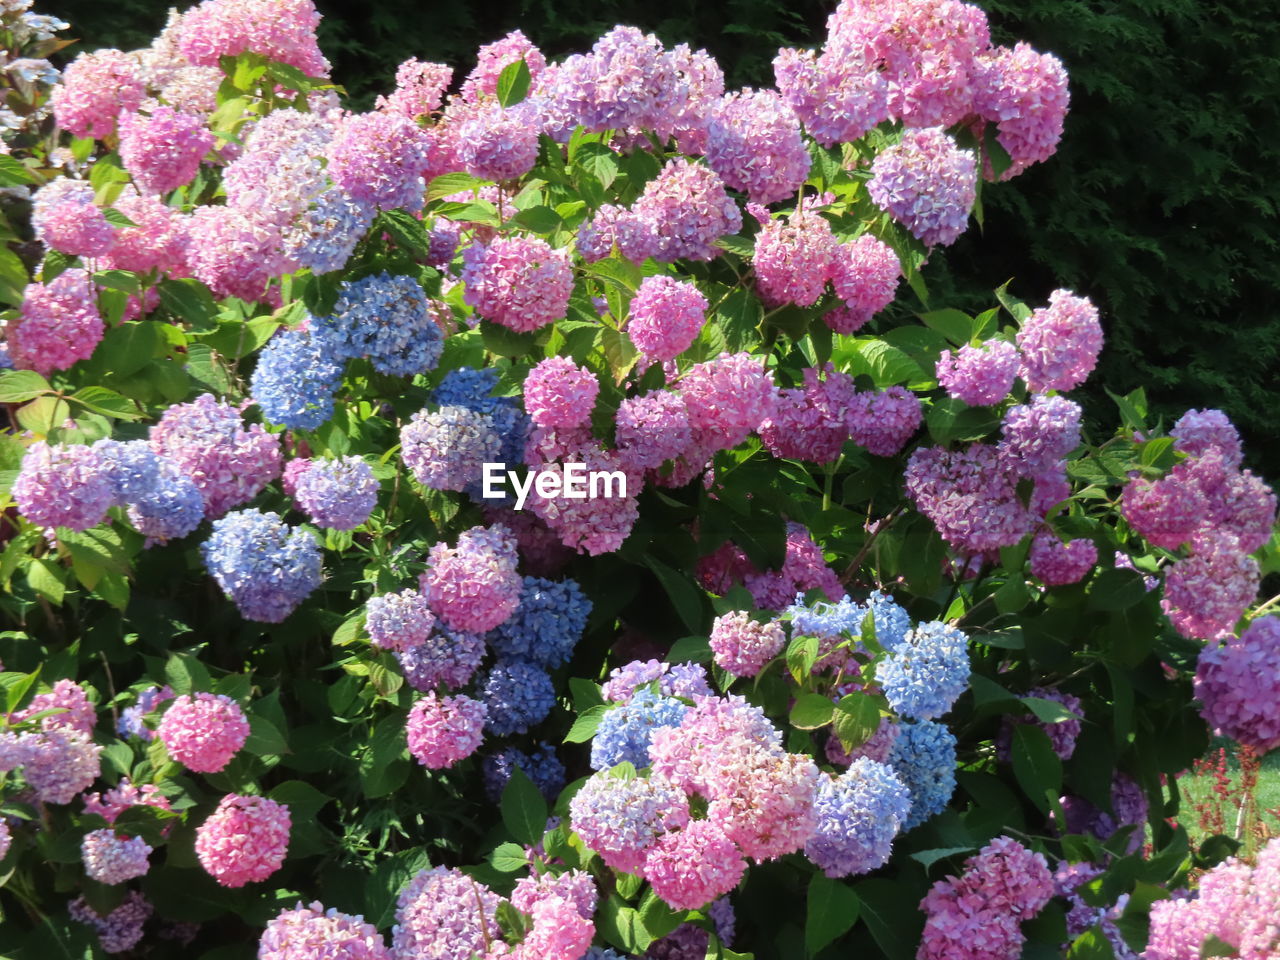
column 867, row 643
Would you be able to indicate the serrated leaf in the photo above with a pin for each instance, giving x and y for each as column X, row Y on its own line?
column 107, row 402
column 448, row 184
column 19, row 386
column 584, row 727
column 508, row 858
column 1036, row 767
column 832, row 909
column 514, row 82
column 811, row 711
column 856, row 719
column 927, row 858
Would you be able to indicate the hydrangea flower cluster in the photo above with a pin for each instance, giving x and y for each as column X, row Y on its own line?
column 447, row 449
column 387, row 319
column 685, row 680
column 794, row 259
column 295, row 380
column 517, row 282
column 864, row 274
column 980, row 376
column 206, row 439
column 858, row 815
column 979, row 914
column 971, row 495
column 65, row 218
column 444, row 730
column 397, row 621
column 162, row 149
column 474, row 586
column 57, row 325
column 666, row 315
column 927, row 184
column 651, row 429
column 96, row 86
column 742, row 645
column 1062, row 734
column 559, row 393
column 244, row 840
column 924, row 756
column 203, row 731
column 754, row 143
column 547, row 625
column 110, row 858
column 57, row 764
column 542, row 766
column 1060, row 343
column 443, row 913
column 925, row 674
column 298, row 933
column 63, row 485
column 339, row 494
column 1238, row 685
column 77, row 713
column 1057, row 562
column 121, row 929
column 262, row 566
column 680, row 215
column 281, row 30
column 518, row 695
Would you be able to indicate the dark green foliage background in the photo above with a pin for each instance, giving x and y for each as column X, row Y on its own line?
column 1161, row 204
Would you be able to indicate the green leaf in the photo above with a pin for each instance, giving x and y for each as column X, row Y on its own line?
column 189, row 300
column 514, row 82
column 265, row 738
column 1116, row 589
column 406, row 230
column 524, row 809
column 508, row 858
column 1214, row 947
column 448, row 184
column 107, row 402
column 1094, row 945
column 1048, row 711
column 504, row 342
column 186, row 674
column 951, row 419
column 832, row 910
column 47, row 579
column 927, row 858
column 584, row 727
column 684, row 594
column 956, row 325
column 539, row 219
column 811, row 711
column 883, row 362
column 739, row 317
column 14, row 174
column 1036, row 767
column 43, row 414
column 19, row 386
column 690, row 650
column 894, row 920
column 384, row 765
column 857, row 718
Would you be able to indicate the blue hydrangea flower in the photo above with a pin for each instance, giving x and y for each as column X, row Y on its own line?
column 542, row 766
column 518, row 696
column 339, row 494
column 471, row 388
column 295, row 380
column 626, row 731
column 859, row 814
column 892, row 622
column 924, row 756
column 262, row 565
column 326, row 235
column 602, row 953
column 447, row 449
column 131, row 723
column 447, row 658
column 825, row 620
column 512, row 426
column 131, row 467
column 389, row 320
column 172, row 508
column 926, row 672
column 547, row 625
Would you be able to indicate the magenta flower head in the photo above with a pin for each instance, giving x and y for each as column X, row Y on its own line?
column 66, row 218
column 244, row 840
column 690, row 867
column 1238, row 685
column 57, row 325
column 95, row 87
column 980, row 376
column 280, row 30
column 203, row 731
column 865, row 274
column 517, row 282
column 474, row 586
column 1025, row 93
column 794, row 259
column 162, row 151
column 1060, row 343
column 559, row 393
column 443, row 730
column 111, row 859
column 742, row 645
column 754, row 143
column 927, row 184
column 728, row 397
column 666, row 316
column 297, row 934
column 63, row 486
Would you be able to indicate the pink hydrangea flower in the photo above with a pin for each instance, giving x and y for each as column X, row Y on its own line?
column 927, row 184
column 690, row 867
column 208, row 442
column 95, row 87
column 121, row 929
column 280, row 30
column 397, row 621
column 666, row 316
column 308, row 933
column 1198, row 431
column 111, row 859
column 57, row 325
column 884, row 420
column 742, row 645
column 1057, row 563
column 794, row 259
column 63, row 486
column 754, row 143
column 559, row 393
column 865, row 274
column 162, row 151
column 623, row 819
column 233, row 252
column 474, row 586
column 203, row 731
column 420, row 89
column 380, row 159
column 517, row 282
column 680, row 215
column 980, row 376
column 444, row 730
column 66, row 218
column 1238, row 685
column 1167, row 511
column 651, row 429
column 495, row 57
column 1205, row 594
column 78, row 715
column 559, row 932
column 445, row 914
column 59, row 764
column 597, row 524
column 1025, row 93
column 971, row 496
column 244, row 840
column 837, row 97
column 1060, row 343
column 158, row 242
column 497, row 144
column 728, row 397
